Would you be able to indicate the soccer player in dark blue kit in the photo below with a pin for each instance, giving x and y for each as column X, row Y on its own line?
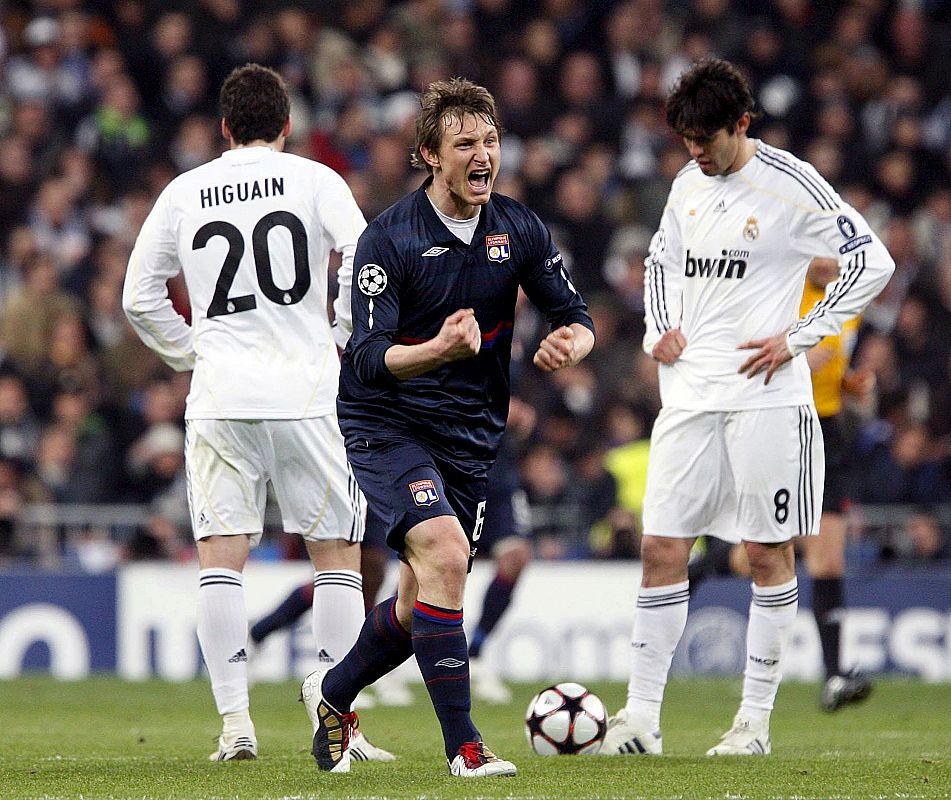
column 424, row 392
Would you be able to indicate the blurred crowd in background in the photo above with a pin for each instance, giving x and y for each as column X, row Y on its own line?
column 102, row 103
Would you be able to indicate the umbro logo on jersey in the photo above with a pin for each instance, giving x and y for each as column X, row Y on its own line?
column 325, row 657
column 239, row 656
column 729, row 264
column 720, row 207
column 435, row 251
column 451, row 663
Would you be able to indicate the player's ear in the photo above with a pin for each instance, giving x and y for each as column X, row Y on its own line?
column 429, row 156
column 743, row 123
column 225, row 131
column 286, row 130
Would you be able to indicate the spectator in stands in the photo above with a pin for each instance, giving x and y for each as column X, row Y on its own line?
column 19, row 428
column 60, row 225
column 155, row 462
column 30, row 312
column 920, row 539
column 553, row 506
column 117, row 134
column 20, row 246
column 17, row 178
column 903, row 469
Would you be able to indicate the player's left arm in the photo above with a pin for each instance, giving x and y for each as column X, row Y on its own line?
column 865, row 266
column 343, row 222
column 564, row 347
column 548, row 286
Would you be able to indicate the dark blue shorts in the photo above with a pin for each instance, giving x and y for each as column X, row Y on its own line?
column 405, row 484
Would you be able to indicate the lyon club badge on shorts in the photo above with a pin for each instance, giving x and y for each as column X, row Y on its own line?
column 497, row 247
column 424, row 492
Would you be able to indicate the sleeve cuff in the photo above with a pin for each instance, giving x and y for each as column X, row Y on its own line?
column 340, row 335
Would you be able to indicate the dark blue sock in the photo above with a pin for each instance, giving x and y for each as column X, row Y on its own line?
column 383, row 644
column 440, row 646
column 296, row 604
column 497, row 598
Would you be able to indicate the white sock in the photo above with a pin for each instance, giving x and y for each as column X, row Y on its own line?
column 659, row 623
column 338, row 613
column 223, row 636
column 237, row 723
column 772, row 613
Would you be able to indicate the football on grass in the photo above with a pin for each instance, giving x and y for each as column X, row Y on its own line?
column 565, row 719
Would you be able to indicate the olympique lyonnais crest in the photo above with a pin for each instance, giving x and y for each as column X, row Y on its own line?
column 424, row 492
column 497, row 247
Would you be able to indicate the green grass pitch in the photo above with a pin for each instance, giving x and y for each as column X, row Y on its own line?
column 104, row 738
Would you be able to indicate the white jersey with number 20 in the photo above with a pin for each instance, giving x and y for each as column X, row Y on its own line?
column 728, row 265
column 252, row 232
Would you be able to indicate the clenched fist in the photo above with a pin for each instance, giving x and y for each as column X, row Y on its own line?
column 556, row 350
column 459, row 337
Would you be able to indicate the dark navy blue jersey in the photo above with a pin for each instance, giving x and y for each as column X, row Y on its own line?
column 411, row 273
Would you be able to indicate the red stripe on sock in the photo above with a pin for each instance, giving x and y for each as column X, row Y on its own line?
column 437, row 613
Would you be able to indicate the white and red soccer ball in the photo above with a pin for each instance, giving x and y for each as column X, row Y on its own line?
column 565, row 719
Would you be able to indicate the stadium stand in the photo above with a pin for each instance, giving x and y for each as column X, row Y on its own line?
column 101, row 104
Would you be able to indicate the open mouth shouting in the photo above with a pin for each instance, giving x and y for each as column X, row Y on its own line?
column 479, row 180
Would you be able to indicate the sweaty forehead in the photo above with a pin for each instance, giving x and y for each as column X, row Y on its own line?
column 468, row 124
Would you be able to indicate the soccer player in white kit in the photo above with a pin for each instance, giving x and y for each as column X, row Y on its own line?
column 252, row 231
column 736, row 451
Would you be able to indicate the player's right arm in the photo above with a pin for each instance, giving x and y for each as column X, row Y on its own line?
column 375, row 308
column 663, row 339
column 459, row 337
column 145, row 299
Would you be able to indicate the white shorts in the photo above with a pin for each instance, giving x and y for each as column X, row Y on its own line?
column 752, row 475
column 228, row 464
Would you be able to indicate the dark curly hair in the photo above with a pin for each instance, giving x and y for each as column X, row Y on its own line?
column 451, row 99
column 254, row 103
column 711, row 95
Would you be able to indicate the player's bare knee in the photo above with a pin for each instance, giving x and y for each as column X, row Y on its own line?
column 511, row 558
column 770, row 564
column 334, row 554
column 664, row 560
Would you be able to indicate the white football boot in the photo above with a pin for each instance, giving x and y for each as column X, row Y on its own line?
column 337, row 736
column 332, row 728
column 235, row 748
column 475, row 760
column 362, row 749
column 630, row 736
column 747, row 737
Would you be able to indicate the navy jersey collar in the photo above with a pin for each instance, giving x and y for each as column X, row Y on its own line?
column 437, row 230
